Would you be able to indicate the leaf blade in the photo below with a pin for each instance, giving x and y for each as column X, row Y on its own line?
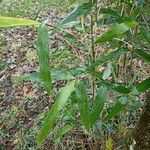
column 116, row 31
column 144, row 85
column 44, row 57
column 63, row 131
column 107, row 71
column 144, row 55
column 57, row 106
column 104, row 58
column 82, row 101
column 82, row 9
column 118, row 107
column 98, row 104
column 146, row 35
column 121, row 89
column 6, row 22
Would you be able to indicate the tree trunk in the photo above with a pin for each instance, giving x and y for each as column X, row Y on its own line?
column 142, row 129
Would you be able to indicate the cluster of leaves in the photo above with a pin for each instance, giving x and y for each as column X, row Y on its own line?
column 122, row 36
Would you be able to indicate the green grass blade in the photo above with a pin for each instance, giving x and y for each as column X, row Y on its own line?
column 83, row 104
column 61, row 100
column 44, row 57
column 116, row 31
column 6, row 22
column 98, row 104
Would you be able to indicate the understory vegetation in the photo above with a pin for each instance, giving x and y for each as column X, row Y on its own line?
column 75, row 74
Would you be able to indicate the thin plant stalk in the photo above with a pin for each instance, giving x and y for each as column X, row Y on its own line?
column 93, row 54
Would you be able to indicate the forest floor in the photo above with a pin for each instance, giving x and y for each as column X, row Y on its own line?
column 23, row 105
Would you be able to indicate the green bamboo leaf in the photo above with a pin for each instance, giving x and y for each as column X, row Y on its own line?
column 62, row 131
column 82, row 9
column 121, row 89
column 69, row 24
column 6, row 22
column 83, row 104
column 111, row 12
column 95, row 74
column 120, row 104
column 55, row 75
column 144, row 55
column 145, row 34
column 116, row 31
column 144, row 85
column 61, row 75
column 44, row 57
column 104, row 58
column 98, row 104
column 107, row 71
column 61, row 100
column 31, row 77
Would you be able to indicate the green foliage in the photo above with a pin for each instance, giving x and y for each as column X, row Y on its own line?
column 61, row 100
column 6, row 22
column 104, row 58
column 111, row 12
column 107, row 71
column 63, row 131
column 44, row 58
column 144, row 85
column 80, row 10
column 116, row 31
column 118, row 107
column 144, row 55
column 98, row 104
column 83, row 105
column 121, row 89
column 83, row 94
column 145, row 34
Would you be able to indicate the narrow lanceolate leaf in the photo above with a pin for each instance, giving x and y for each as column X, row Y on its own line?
column 95, row 74
column 146, row 35
column 62, row 131
column 111, row 12
column 104, row 58
column 116, row 31
column 121, row 89
column 44, row 58
column 61, row 100
column 98, row 104
column 107, row 71
column 6, row 22
column 144, row 85
column 82, row 9
column 83, row 104
column 144, row 55
column 120, row 104
column 31, row 77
